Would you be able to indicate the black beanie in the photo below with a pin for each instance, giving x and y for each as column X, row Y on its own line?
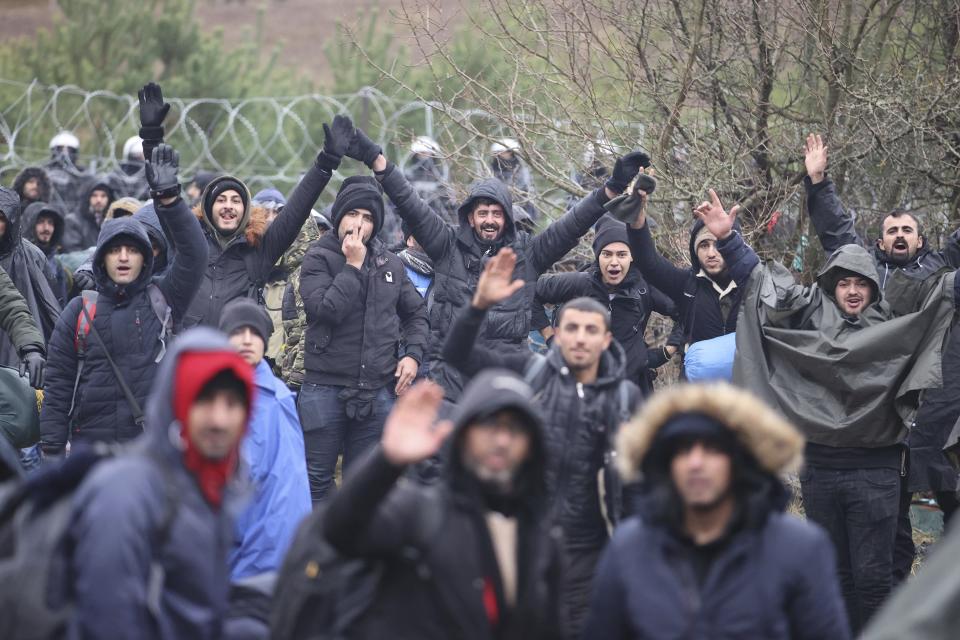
column 607, row 232
column 244, row 312
column 687, row 427
column 359, row 192
column 225, row 184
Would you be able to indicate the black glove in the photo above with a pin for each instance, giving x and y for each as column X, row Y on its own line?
column 32, row 365
column 626, row 169
column 162, row 173
column 336, row 141
column 152, row 111
column 363, row 148
column 83, row 281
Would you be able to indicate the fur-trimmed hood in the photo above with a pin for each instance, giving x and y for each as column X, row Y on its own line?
column 776, row 445
column 256, row 225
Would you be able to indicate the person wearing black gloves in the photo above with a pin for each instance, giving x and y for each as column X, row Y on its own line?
column 19, row 327
column 487, row 225
column 366, row 333
column 243, row 249
column 106, row 348
column 617, row 284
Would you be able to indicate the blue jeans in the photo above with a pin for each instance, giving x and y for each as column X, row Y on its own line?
column 859, row 509
column 328, row 431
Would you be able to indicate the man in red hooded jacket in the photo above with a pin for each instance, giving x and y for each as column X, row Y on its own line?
column 152, row 528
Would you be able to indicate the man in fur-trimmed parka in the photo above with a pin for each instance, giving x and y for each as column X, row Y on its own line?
column 712, row 554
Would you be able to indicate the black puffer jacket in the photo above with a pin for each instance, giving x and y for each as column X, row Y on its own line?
column 131, row 331
column 458, row 257
column 630, row 304
column 438, row 553
column 27, row 266
column 238, row 264
column 703, row 310
column 579, row 419
column 82, row 226
column 357, row 318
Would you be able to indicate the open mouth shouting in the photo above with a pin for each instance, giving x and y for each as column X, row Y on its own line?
column 489, row 231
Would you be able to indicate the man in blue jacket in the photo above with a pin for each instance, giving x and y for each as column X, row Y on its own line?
column 152, row 528
column 273, row 451
column 712, row 554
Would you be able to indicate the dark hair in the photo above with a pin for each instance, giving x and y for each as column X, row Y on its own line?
column 224, row 381
column 899, row 213
column 588, row 305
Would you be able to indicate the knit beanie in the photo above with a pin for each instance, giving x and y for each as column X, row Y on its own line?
column 607, row 232
column 244, row 312
column 359, row 192
column 225, row 184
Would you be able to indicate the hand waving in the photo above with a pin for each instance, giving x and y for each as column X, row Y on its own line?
column 815, row 158
column 153, row 109
column 411, row 432
column 162, row 173
column 336, row 140
column 719, row 222
column 496, row 282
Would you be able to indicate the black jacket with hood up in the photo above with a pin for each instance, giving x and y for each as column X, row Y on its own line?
column 239, row 263
column 27, row 267
column 459, row 255
column 358, row 318
column 82, row 226
column 433, row 586
column 580, row 421
column 704, row 311
column 60, row 281
column 131, row 333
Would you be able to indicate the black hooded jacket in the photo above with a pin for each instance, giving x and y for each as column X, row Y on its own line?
column 131, row 332
column 27, row 267
column 43, row 182
column 580, row 420
column 441, row 595
column 358, row 318
column 56, row 274
column 703, row 310
column 82, row 227
column 459, row 255
column 630, row 303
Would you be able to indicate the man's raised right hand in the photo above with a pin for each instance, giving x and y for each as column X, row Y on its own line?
column 815, row 158
column 411, row 433
column 496, row 282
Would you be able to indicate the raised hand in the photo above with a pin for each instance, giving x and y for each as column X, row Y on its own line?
column 626, row 169
column 645, row 185
column 411, row 433
column 354, row 250
column 496, row 282
column 153, row 109
column 815, row 158
column 718, row 222
column 363, row 148
column 336, row 140
column 162, row 173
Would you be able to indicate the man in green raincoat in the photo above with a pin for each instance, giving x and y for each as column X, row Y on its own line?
column 836, row 360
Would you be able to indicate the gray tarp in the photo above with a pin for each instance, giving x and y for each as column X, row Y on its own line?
column 845, row 382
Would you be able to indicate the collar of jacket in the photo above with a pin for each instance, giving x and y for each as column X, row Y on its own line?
column 721, row 290
column 611, row 370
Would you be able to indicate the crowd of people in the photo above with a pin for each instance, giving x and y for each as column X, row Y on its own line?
column 236, row 417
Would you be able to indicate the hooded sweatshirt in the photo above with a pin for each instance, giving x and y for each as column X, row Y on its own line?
column 844, row 381
column 120, row 509
column 60, row 281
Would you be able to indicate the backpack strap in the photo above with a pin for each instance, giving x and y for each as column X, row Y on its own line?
column 135, row 409
column 88, row 305
column 690, row 293
column 158, row 302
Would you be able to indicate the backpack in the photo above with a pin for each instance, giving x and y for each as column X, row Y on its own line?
column 88, row 311
column 35, row 551
column 611, row 485
column 320, row 593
